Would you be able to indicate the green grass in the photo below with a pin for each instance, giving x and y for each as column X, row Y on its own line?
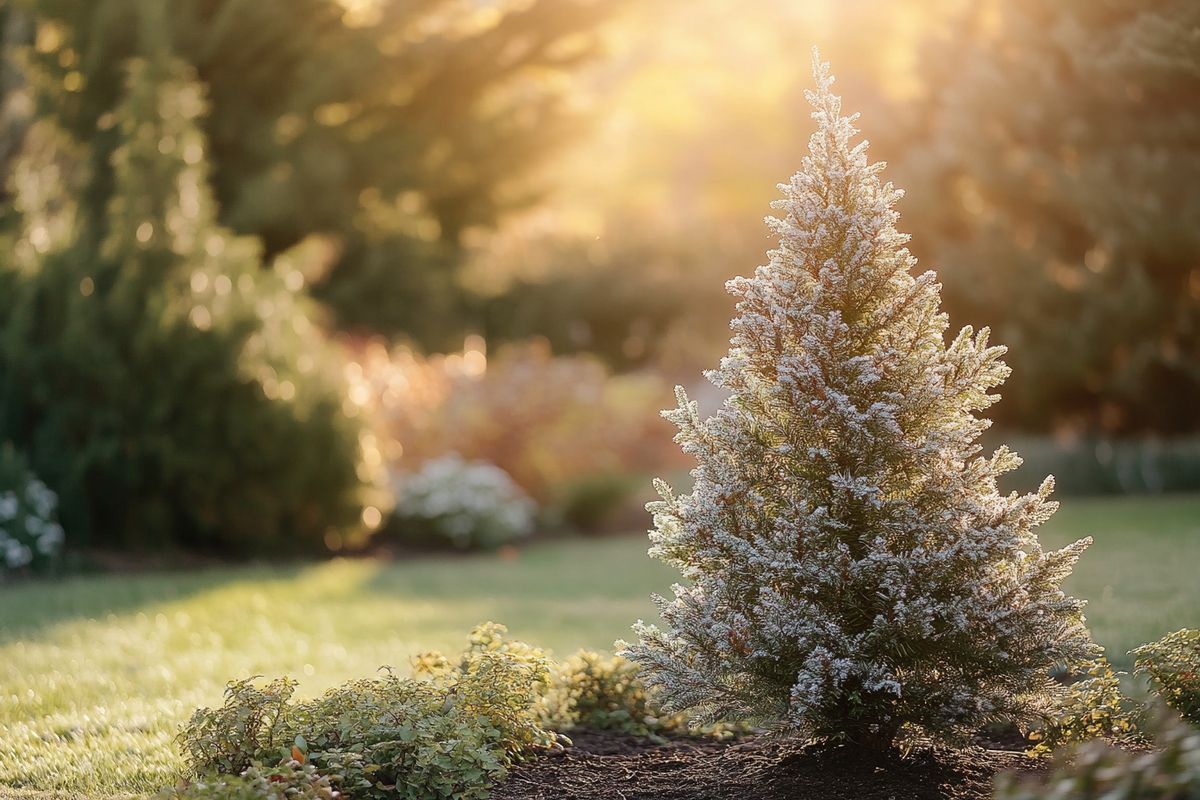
column 97, row 673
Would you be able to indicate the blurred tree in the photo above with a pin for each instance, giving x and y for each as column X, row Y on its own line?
column 167, row 385
column 579, row 306
column 394, row 125
column 1067, row 148
column 16, row 32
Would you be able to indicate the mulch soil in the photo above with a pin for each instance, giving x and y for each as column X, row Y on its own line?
column 613, row 766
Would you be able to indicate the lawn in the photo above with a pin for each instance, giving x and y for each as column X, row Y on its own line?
column 97, row 673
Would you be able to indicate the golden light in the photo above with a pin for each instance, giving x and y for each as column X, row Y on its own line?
column 372, row 517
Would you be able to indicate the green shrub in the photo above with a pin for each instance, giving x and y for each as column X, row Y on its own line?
column 451, row 732
column 290, row 780
column 1099, row 771
column 589, row 503
column 1093, row 708
column 248, row 728
column 30, row 536
column 170, row 387
column 599, row 692
column 496, row 680
column 1173, row 666
column 394, row 737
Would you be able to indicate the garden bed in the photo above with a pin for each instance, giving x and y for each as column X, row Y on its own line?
column 611, row 766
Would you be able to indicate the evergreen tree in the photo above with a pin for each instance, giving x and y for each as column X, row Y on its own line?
column 171, row 388
column 850, row 566
column 1065, row 145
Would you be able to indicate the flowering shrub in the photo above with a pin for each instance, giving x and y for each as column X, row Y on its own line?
column 1173, row 666
column 469, row 504
column 1093, row 708
column 552, row 423
column 449, row 732
column 1099, row 771
column 30, row 536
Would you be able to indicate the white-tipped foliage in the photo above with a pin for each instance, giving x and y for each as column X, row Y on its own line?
column 849, row 564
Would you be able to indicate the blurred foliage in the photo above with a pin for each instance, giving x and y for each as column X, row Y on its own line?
column 395, row 126
column 591, row 503
column 1051, row 153
column 1173, row 666
column 449, row 732
column 1055, row 149
column 167, row 385
column 548, row 421
column 1058, row 157
column 1170, row 770
column 615, row 297
column 1098, row 465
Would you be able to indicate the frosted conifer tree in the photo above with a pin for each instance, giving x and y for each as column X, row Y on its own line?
column 849, row 564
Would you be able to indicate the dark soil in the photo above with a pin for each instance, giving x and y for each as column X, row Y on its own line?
column 612, row 766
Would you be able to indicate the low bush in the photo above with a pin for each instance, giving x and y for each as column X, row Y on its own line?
column 599, row 692
column 1173, row 666
column 466, row 503
column 593, row 691
column 291, row 780
column 247, row 728
column 1093, row 708
column 30, row 537
column 590, row 504
column 449, row 732
column 1099, row 771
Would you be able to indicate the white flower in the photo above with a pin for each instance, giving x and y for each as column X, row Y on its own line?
column 27, row 526
column 16, row 554
column 42, row 498
column 8, row 506
column 51, row 539
column 468, row 502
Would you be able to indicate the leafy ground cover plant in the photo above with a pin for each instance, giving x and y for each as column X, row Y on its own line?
column 849, row 565
column 450, row 732
column 1173, row 666
column 247, row 728
column 1093, row 708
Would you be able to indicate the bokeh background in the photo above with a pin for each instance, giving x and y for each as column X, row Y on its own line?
column 263, row 261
